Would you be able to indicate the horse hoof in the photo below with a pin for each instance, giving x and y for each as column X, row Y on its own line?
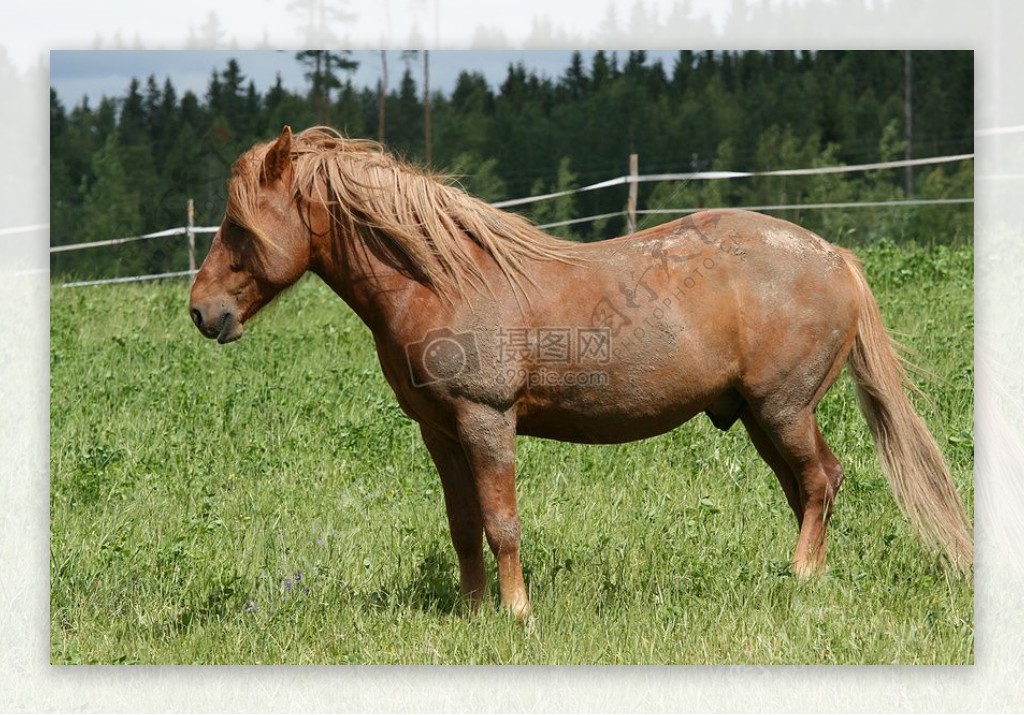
column 520, row 610
column 808, row 572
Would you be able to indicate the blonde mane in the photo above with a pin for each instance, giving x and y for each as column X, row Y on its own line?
column 418, row 218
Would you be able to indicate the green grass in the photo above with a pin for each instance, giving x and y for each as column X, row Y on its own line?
column 192, row 483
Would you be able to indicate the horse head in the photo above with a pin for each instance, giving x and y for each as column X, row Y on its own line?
column 261, row 247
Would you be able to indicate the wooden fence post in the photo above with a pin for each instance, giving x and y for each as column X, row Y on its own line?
column 190, row 230
column 631, row 206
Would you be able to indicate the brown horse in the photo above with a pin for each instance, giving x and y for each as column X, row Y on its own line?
column 486, row 328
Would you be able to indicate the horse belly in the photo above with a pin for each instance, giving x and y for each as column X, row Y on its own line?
column 667, row 360
column 613, row 428
column 604, row 412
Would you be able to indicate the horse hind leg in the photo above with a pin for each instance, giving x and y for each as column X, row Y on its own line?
column 818, row 476
column 782, row 424
column 771, row 456
column 827, row 491
column 810, row 488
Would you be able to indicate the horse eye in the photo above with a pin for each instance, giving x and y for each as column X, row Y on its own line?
column 233, row 233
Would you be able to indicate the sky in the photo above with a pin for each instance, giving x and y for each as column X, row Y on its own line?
column 443, row 24
column 365, row 26
column 95, row 73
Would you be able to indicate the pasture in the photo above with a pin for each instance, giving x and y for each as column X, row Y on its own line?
column 267, row 502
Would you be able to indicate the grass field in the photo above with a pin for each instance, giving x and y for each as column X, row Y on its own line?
column 267, row 502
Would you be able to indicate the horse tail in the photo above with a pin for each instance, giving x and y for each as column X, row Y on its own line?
column 911, row 460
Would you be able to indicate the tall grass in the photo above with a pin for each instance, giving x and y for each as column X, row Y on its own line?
column 267, row 502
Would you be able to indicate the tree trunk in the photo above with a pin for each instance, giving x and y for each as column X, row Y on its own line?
column 382, row 96
column 908, row 133
column 426, row 107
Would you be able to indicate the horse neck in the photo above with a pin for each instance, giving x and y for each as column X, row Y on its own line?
column 373, row 287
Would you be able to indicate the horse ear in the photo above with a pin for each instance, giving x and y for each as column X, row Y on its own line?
column 278, row 157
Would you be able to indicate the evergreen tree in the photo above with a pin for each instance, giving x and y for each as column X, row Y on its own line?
column 111, row 209
column 405, row 128
column 561, row 209
column 479, row 177
column 63, row 204
column 132, row 123
column 575, row 81
column 322, row 71
column 129, row 164
column 600, row 72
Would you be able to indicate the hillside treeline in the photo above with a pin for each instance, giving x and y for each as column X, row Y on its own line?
column 127, row 165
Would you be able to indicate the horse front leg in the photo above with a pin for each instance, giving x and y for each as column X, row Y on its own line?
column 488, row 439
column 463, row 508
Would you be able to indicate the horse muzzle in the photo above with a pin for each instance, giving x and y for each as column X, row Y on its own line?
column 225, row 327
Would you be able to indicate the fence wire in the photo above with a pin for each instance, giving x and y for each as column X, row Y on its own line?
column 617, row 181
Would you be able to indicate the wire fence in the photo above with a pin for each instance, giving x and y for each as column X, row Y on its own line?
column 708, row 175
column 179, row 231
column 631, row 180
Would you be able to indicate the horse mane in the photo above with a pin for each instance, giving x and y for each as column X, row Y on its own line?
column 418, row 218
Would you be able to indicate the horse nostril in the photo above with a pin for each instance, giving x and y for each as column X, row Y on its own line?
column 197, row 318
